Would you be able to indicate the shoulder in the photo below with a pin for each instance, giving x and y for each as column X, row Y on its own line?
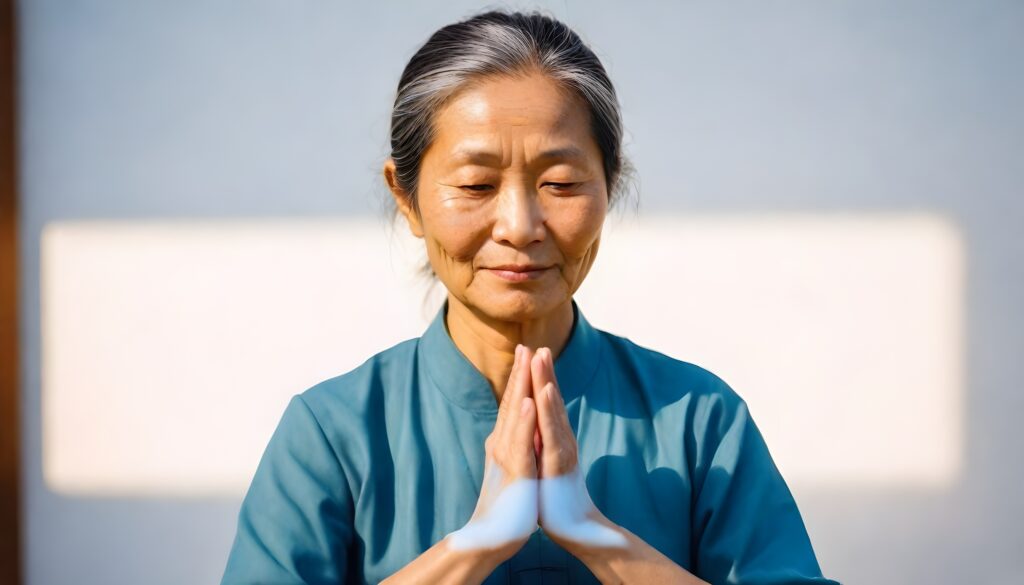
column 670, row 379
column 358, row 392
column 343, row 412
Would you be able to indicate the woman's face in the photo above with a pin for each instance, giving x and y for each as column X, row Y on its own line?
column 512, row 196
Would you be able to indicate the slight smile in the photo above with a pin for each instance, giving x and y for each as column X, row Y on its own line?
column 514, row 273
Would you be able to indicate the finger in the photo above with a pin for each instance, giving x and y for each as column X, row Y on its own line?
column 546, row 423
column 526, row 427
column 559, row 455
column 518, row 388
column 557, row 402
column 561, row 452
column 550, row 411
column 539, row 371
column 545, row 418
column 551, row 435
column 503, row 407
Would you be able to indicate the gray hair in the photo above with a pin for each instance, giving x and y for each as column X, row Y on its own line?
column 501, row 43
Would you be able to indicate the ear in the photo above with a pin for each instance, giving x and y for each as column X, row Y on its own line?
column 402, row 199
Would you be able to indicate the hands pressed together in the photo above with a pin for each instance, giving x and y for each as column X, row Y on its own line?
column 531, row 472
column 531, row 478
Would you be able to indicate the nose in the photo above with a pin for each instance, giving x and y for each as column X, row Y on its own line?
column 520, row 218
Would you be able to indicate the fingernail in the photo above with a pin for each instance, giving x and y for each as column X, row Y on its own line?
column 517, row 351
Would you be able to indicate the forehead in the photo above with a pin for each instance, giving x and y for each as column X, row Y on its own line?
column 525, row 105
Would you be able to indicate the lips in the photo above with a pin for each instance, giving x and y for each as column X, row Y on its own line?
column 518, row 272
column 518, row 267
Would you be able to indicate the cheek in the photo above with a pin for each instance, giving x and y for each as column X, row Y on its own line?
column 577, row 227
column 454, row 235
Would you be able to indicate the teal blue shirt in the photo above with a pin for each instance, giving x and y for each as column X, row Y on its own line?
column 369, row 469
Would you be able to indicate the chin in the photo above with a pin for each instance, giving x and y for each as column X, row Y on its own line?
column 518, row 305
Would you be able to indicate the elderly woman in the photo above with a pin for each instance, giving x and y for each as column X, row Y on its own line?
column 514, row 442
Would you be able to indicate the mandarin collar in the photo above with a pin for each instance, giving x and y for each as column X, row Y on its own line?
column 465, row 386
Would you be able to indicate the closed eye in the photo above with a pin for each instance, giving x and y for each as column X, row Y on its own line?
column 561, row 186
column 476, row 188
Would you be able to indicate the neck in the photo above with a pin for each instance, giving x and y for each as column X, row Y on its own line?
column 490, row 344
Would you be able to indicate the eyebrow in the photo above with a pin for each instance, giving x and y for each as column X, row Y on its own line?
column 485, row 157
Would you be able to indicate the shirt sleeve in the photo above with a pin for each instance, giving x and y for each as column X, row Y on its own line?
column 295, row 523
column 747, row 529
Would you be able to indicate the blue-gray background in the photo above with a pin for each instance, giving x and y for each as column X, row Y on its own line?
column 261, row 108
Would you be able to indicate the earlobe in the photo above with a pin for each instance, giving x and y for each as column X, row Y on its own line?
column 402, row 199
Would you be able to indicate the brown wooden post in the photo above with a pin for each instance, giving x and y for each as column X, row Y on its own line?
column 10, row 473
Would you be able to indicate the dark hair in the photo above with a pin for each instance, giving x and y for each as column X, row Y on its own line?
column 505, row 43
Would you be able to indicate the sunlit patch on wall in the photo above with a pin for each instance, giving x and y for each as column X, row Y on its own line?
column 170, row 348
column 843, row 332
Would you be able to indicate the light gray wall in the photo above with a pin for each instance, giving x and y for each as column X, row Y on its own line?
column 260, row 108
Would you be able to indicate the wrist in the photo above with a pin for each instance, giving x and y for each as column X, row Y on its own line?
column 474, row 565
column 599, row 559
column 604, row 564
column 637, row 562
